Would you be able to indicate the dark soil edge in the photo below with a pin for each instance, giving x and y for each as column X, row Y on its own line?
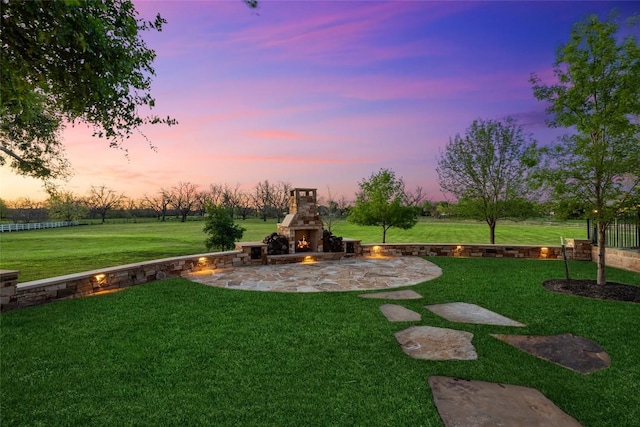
column 589, row 288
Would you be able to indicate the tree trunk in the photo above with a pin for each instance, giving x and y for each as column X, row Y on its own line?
column 492, row 232
column 384, row 234
column 602, row 244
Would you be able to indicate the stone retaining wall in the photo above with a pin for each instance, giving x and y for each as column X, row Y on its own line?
column 619, row 258
column 8, row 284
column 108, row 279
column 467, row 251
column 16, row 295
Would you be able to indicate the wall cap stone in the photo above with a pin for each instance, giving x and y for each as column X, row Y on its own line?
column 110, row 270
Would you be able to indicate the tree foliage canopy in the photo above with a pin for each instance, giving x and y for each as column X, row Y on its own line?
column 597, row 97
column 222, row 231
column 66, row 206
column 486, row 170
column 69, row 61
column 382, row 201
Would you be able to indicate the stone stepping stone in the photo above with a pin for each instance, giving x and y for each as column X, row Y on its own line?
column 431, row 343
column 398, row 313
column 570, row 351
column 485, row 404
column 406, row 294
column 471, row 313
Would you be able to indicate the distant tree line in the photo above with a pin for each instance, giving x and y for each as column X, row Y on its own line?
column 185, row 199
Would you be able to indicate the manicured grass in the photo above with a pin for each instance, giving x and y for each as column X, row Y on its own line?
column 444, row 231
column 40, row 254
column 178, row 353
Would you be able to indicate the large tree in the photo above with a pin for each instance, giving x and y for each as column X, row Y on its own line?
column 66, row 206
column 184, row 197
column 382, row 201
column 486, row 170
column 263, row 196
column 158, row 203
column 69, row 61
column 596, row 97
column 280, row 199
column 102, row 199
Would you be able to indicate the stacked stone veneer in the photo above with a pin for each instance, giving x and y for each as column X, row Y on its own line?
column 581, row 249
column 303, row 219
column 619, row 258
column 17, row 295
column 8, row 284
column 107, row 279
column 467, row 251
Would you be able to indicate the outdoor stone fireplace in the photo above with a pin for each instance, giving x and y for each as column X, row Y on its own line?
column 302, row 226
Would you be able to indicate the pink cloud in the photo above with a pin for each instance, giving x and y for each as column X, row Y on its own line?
column 310, row 159
column 277, row 134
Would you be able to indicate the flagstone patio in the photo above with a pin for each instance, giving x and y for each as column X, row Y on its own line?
column 350, row 274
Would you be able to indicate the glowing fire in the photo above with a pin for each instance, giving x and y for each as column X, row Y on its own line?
column 304, row 244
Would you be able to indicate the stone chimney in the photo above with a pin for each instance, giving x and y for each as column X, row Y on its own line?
column 302, row 226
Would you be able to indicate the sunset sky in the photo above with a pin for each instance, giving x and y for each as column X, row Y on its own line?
column 322, row 94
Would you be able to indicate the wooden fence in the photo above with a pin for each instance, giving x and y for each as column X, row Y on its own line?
column 35, row 226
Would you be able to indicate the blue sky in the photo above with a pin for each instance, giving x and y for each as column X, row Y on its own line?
column 323, row 94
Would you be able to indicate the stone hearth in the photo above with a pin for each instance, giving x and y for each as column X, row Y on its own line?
column 302, row 226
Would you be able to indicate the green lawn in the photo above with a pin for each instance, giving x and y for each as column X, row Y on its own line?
column 40, row 254
column 178, row 353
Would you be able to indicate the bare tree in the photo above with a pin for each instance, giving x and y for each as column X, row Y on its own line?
column 158, row 203
column 231, row 199
column 203, row 199
column 27, row 210
column 244, row 204
column 184, row 197
column 263, row 198
column 416, row 197
column 216, row 192
column 280, row 198
column 332, row 213
column 102, row 199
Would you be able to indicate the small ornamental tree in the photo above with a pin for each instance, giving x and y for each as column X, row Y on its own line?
column 382, row 201
column 597, row 98
column 222, row 231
